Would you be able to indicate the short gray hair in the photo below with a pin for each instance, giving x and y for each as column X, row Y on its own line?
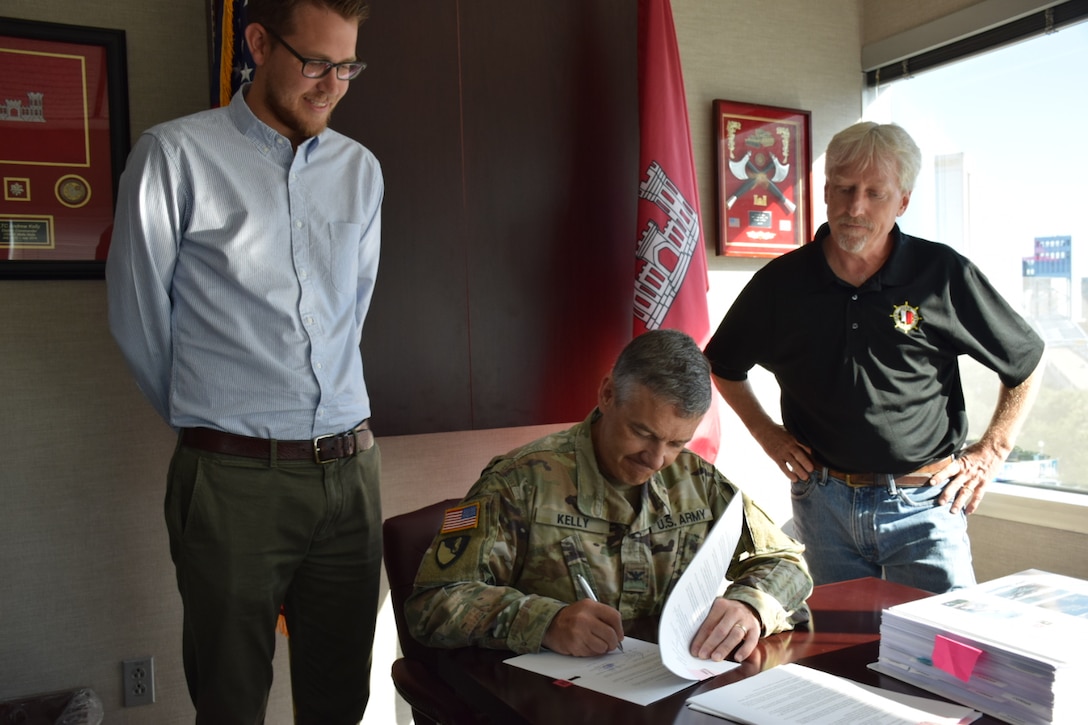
column 670, row 365
column 884, row 146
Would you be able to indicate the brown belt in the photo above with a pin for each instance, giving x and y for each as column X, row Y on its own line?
column 322, row 449
column 914, row 479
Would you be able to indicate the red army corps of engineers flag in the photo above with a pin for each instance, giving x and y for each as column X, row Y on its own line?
column 670, row 264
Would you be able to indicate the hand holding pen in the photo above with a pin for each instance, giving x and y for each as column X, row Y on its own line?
column 587, row 592
column 585, row 628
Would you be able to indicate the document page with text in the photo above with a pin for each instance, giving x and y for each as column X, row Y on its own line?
column 690, row 599
column 793, row 694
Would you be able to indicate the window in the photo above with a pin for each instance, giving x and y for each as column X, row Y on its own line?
column 1005, row 182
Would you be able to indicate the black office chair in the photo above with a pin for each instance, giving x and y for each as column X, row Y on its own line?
column 405, row 539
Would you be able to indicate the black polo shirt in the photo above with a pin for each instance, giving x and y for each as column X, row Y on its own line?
column 869, row 375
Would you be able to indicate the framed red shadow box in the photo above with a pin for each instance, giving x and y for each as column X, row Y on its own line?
column 764, row 178
column 64, row 136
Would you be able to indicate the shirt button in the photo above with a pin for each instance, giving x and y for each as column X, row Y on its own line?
column 298, row 224
column 854, row 297
column 854, row 326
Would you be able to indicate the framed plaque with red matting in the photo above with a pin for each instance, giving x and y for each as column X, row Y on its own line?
column 764, row 178
column 64, row 136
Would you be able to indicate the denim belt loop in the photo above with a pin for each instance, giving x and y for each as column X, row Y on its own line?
column 823, row 475
column 892, row 489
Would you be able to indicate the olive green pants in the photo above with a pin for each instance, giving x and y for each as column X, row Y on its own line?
column 247, row 535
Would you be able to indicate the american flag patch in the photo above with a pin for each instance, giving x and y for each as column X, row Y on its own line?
column 460, row 518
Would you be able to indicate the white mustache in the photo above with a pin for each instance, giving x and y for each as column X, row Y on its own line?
column 855, row 222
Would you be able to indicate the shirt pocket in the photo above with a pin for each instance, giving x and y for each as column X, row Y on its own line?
column 671, row 553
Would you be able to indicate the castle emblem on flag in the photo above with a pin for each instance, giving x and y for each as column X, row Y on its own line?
column 906, row 317
column 663, row 253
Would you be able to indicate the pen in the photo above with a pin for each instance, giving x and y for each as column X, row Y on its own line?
column 587, row 592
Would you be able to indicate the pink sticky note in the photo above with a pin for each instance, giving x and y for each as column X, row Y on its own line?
column 955, row 658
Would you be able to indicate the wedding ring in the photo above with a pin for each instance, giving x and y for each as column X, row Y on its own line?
column 742, row 628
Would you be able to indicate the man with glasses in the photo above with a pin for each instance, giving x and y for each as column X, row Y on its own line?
column 242, row 265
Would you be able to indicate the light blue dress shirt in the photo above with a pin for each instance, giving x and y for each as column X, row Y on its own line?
column 240, row 273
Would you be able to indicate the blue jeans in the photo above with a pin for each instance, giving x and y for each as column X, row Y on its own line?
column 898, row 534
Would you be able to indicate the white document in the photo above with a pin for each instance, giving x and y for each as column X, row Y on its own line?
column 691, row 598
column 793, row 694
column 636, row 674
column 645, row 672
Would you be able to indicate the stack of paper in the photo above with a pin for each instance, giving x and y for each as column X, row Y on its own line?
column 1015, row 648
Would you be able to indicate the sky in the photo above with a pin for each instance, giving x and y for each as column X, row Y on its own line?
column 1018, row 115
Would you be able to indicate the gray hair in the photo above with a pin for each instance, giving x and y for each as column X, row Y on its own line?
column 884, row 146
column 670, row 365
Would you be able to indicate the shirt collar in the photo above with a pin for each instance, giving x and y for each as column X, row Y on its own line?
column 593, row 488
column 261, row 134
column 894, row 271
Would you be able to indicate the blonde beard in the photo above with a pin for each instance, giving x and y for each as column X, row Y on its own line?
column 294, row 121
column 852, row 245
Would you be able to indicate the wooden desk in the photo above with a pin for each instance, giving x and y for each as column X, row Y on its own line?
column 843, row 639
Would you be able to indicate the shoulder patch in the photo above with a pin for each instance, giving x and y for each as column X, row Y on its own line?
column 450, row 550
column 460, row 518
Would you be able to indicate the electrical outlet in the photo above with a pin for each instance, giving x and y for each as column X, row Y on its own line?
column 138, row 679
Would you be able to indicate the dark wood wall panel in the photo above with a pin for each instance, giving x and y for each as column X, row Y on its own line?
column 508, row 133
column 405, row 107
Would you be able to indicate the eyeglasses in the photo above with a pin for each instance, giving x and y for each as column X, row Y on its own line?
column 314, row 68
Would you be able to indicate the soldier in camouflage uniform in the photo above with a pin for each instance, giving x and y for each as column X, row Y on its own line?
column 618, row 500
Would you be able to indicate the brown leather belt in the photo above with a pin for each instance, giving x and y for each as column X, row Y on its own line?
column 323, row 449
column 914, row 479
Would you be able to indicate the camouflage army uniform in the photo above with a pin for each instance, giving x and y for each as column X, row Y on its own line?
column 506, row 559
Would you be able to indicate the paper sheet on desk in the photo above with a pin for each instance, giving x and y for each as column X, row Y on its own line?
column 792, row 694
column 690, row 599
column 636, row 674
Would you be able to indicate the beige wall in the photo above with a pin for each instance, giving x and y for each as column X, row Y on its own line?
column 85, row 572
column 1003, row 547
column 87, row 578
column 732, row 51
